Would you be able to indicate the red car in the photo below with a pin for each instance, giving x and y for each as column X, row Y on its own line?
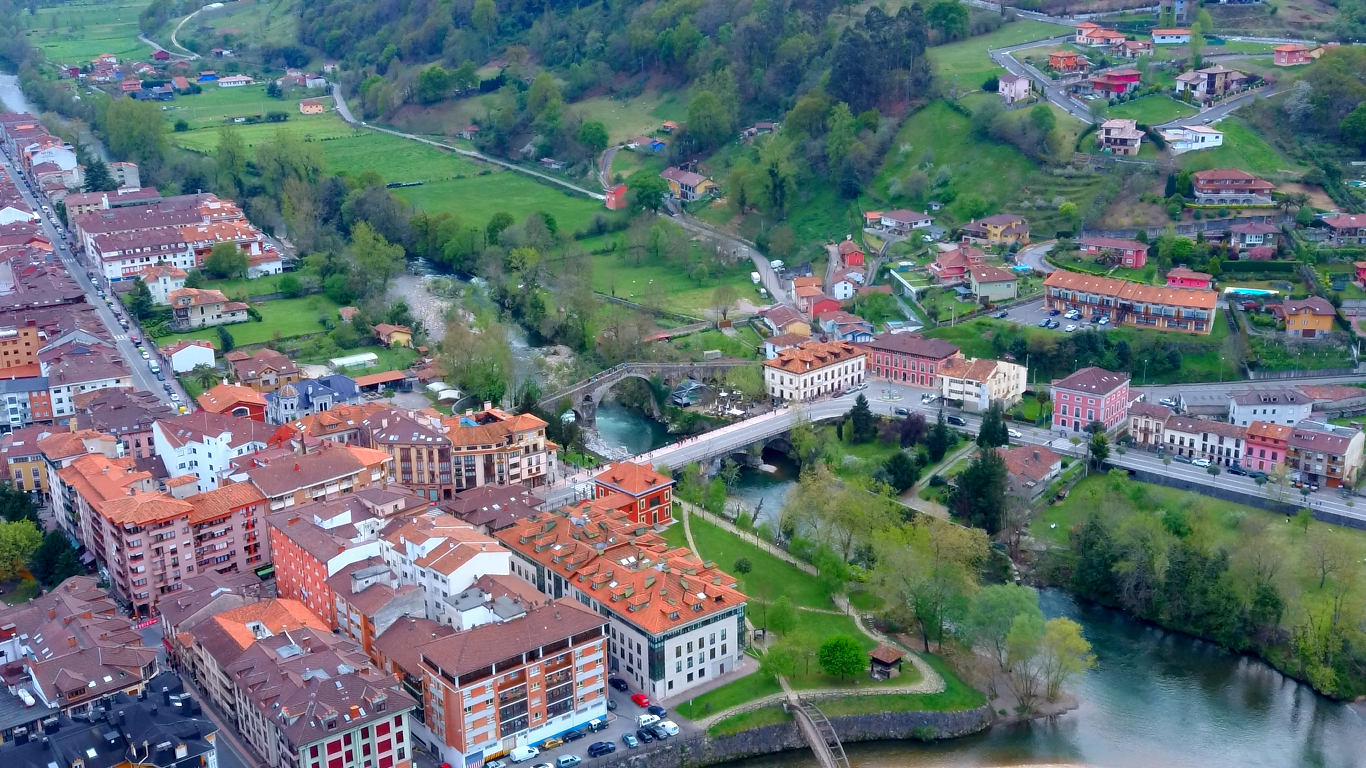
column 641, row 700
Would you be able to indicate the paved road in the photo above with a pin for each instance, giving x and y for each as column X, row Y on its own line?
column 142, row 377
column 767, row 276
column 605, row 166
column 345, row 112
column 157, row 47
column 1057, row 94
column 1033, row 257
column 233, row 752
column 1223, row 109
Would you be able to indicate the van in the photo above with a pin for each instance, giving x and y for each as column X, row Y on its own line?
column 763, row 293
column 523, row 754
column 754, row 277
column 154, row 368
column 645, row 721
column 669, row 727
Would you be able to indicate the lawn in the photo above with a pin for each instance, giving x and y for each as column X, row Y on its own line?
column 75, row 33
column 272, row 22
column 632, row 117
column 997, row 172
column 948, row 304
column 957, row 696
column 215, row 105
column 628, row 161
column 1151, row 110
column 748, row 688
column 967, row 61
column 287, row 317
column 624, row 278
column 475, row 199
column 866, row 601
column 771, row 577
column 742, row 344
column 748, row 720
column 241, row 288
column 1276, row 355
column 1243, row 149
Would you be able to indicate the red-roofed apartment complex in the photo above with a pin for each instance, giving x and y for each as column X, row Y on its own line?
column 1125, row 302
column 675, row 622
column 637, row 490
column 1091, row 394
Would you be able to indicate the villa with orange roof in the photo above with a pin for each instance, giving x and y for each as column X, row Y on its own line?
column 234, row 400
column 813, row 369
column 677, row 622
column 494, row 446
column 645, row 495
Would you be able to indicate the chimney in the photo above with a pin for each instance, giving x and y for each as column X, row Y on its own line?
column 1036, row 455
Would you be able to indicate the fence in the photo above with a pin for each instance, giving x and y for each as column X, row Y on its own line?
column 1319, row 374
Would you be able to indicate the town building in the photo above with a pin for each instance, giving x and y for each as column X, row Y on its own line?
column 234, row 400
column 636, row 490
column 674, row 622
column 1132, row 49
column 952, row 261
column 1067, row 62
column 1124, row 302
column 127, row 414
column 339, row 424
column 60, row 449
column 1115, row 82
column 1253, row 234
column 1181, row 277
column 227, row 525
column 688, row 186
column 784, row 320
column 420, row 449
column 1286, row 406
column 1014, row 88
column 1146, row 423
column 202, row 308
column 1118, row 136
column 77, row 367
column 814, row 369
column 992, row 284
column 1347, row 229
column 161, row 279
column 1090, row 395
column 264, row 370
column 126, row 195
column 850, row 253
column 394, row 335
column 489, row 508
column 494, row 446
column 980, row 382
column 185, row 356
column 1218, row 442
column 1323, row 454
column 1171, row 36
column 909, row 359
column 1267, row 445
column 126, row 255
column 443, row 557
column 1191, row 138
column 1003, row 229
column 1308, row 318
column 288, row 479
column 1030, row 469
column 1230, row 187
column 22, row 459
column 1128, row 253
column 293, row 401
column 844, row 326
column 203, row 444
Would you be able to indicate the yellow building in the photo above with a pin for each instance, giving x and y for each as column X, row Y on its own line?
column 1001, row 229
column 1308, row 318
column 23, row 460
column 394, row 335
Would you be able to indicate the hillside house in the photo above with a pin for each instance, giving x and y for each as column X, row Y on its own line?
column 1115, row 82
column 1128, row 253
column 1347, row 229
column 1132, row 49
column 850, row 253
column 1191, row 138
column 901, row 222
column 952, row 263
column 1002, row 229
column 1253, row 234
column 1095, row 36
column 199, row 308
column 1211, row 81
column 1309, row 318
column 688, row 186
column 1181, row 277
column 1014, row 88
column 311, row 107
column 1119, row 137
column 1067, row 62
column 993, row 283
column 1230, row 187
column 1171, row 36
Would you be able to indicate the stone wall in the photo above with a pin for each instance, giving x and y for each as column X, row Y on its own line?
column 701, row 751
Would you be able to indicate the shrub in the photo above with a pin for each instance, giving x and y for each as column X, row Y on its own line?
column 937, row 480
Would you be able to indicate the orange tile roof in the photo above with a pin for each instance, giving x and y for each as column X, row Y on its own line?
column 492, row 427
column 277, row 616
column 145, row 508
column 220, row 502
column 224, row 396
column 379, row 378
column 813, row 355
column 369, row 456
column 62, row 445
column 1268, row 431
column 1135, row 292
column 99, row 479
column 338, row 419
column 632, row 478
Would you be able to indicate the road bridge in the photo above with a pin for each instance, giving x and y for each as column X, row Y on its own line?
column 583, row 397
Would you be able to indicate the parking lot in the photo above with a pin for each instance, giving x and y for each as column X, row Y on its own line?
column 619, row 723
column 1034, row 312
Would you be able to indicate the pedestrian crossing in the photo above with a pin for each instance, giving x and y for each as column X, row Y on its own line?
column 121, row 337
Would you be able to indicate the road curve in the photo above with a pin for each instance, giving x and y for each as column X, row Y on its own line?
column 1033, row 257
column 189, row 54
column 345, row 112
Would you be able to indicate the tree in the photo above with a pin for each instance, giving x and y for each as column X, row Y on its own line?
column 1043, row 119
column 136, row 131
column 743, row 566
column 290, row 285
column 1024, row 642
column 18, row 541
column 992, row 615
column 226, row 262
column 1064, row 653
column 842, row 656
column 593, row 134
column 484, row 16
column 1197, row 46
column 1325, row 553
column 16, row 505
column 723, row 299
column 55, row 560
column 647, row 190
column 225, row 340
column 377, row 260
column 778, row 661
column 194, row 279
column 138, row 299
column 98, row 178
column 927, row 573
column 949, row 18
column 863, row 421
column 782, row 617
column 433, row 84
column 902, row 471
column 913, row 429
column 832, row 569
column 708, row 124
column 1098, row 448
column 204, row 375
column 993, row 432
column 979, row 497
column 1353, row 127
column 939, row 439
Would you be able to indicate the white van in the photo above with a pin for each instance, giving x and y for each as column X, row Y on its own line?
column 523, row 754
column 754, row 277
column 645, row 721
column 669, row 727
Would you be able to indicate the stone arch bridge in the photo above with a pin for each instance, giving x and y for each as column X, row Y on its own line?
column 584, row 396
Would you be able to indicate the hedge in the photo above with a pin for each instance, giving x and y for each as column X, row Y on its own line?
column 1259, row 266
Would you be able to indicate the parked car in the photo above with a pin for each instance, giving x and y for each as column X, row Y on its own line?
column 1002, row 314
column 551, row 743
column 640, row 699
column 1180, row 458
column 1170, row 402
column 900, row 412
column 618, row 684
column 1044, row 323
column 1070, row 327
column 495, row 764
column 573, row 735
column 611, row 706
column 957, row 421
column 1237, row 469
column 657, row 710
column 598, row 724
column 1104, row 320
column 669, row 727
column 523, row 754
column 660, row 733
column 1202, row 463
column 645, row 735
column 1054, row 312
column 600, row 748
column 1053, row 324
column 568, row 761
column 647, row 720
column 630, row 741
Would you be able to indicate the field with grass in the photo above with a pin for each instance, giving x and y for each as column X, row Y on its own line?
column 625, row 279
column 289, row 318
column 215, row 105
column 1151, row 110
column 268, row 22
column 477, row 198
column 75, row 33
column 1243, row 149
column 967, row 63
column 743, row 344
column 642, row 115
column 628, row 161
column 747, row 720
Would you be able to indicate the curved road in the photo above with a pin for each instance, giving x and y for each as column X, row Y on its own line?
column 1033, row 257
column 345, row 112
column 188, row 53
column 157, row 47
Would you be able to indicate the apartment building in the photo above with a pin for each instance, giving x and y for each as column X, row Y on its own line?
column 144, row 540
column 1230, row 187
column 204, row 444
column 338, row 424
column 420, row 449
column 492, row 446
column 367, row 602
column 288, row 479
column 193, row 308
column 646, row 496
column 443, row 556
column 675, row 622
column 516, row 683
column 1323, row 454
column 79, row 367
column 59, row 450
column 23, row 460
column 125, row 413
column 1128, row 303
column 813, row 369
column 1218, row 442
column 1286, row 405
column 228, row 525
column 126, row 255
column 234, row 400
column 1267, row 446
column 264, row 370
column 979, row 382
column 1090, row 395
column 909, row 358
column 1147, row 422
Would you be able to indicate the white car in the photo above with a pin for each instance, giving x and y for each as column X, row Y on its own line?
column 1202, row 463
column 1014, row 433
column 175, row 397
column 1070, row 328
column 1103, row 321
column 146, row 356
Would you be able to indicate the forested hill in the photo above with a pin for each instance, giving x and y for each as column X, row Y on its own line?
column 771, row 50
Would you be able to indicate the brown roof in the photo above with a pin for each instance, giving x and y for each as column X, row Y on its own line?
column 1034, row 462
column 813, row 355
column 226, row 396
column 1332, row 392
column 985, row 273
column 1286, row 396
column 1314, row 305
column 286, row 476
column 1189, row 274
column 1131, row 291
column 1308, row 435
column 1200, row 426
column 912, row 344
column 402, row 642
column 221, row 502
column 196, row 427
column 1348, row 221
column 1111, row 242
column 1092, row 380
column 484, row 645
column 144, row 508
column 1151, row 410
column 886, row 654
column 632, row 478
column 1268, row 431
column 495, row 506
column 787, row 340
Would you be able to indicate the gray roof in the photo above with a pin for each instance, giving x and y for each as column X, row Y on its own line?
column 1288, row 396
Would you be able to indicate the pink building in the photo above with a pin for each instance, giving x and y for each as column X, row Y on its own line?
column 1180, row 277
column 1091, row 394
column 1129, row 253
column 1291, row 55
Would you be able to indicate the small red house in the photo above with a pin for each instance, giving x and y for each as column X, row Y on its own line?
column 1117, row 82
column 824, row 304
column 1129, row 253
column 1361, row 270
column 1180, row 277
column 234, row 400
column 616, row 198
column 161, row 55
column 851, row 254
column 1291, row 55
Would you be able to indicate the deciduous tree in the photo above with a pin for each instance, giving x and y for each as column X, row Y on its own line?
column 18, row 541
column 842, row 656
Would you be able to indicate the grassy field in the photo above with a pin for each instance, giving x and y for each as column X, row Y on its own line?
column 1243, row 149
column 633, row 117
column 967, row 62
column 624, row 279
column 1151, row 110
column 948, row 303
column 995, row 171
column 271, row 22
column 75, row 33
column 747, row 688
column 771, row 578
column 742, row 344
column 477, row 198
column 746, row 721
column 287, row 317
column 957, row 696
column 216, row 105
column 388, row 359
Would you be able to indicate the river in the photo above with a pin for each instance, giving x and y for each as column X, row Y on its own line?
column 14, row 100
column 1154, row 700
